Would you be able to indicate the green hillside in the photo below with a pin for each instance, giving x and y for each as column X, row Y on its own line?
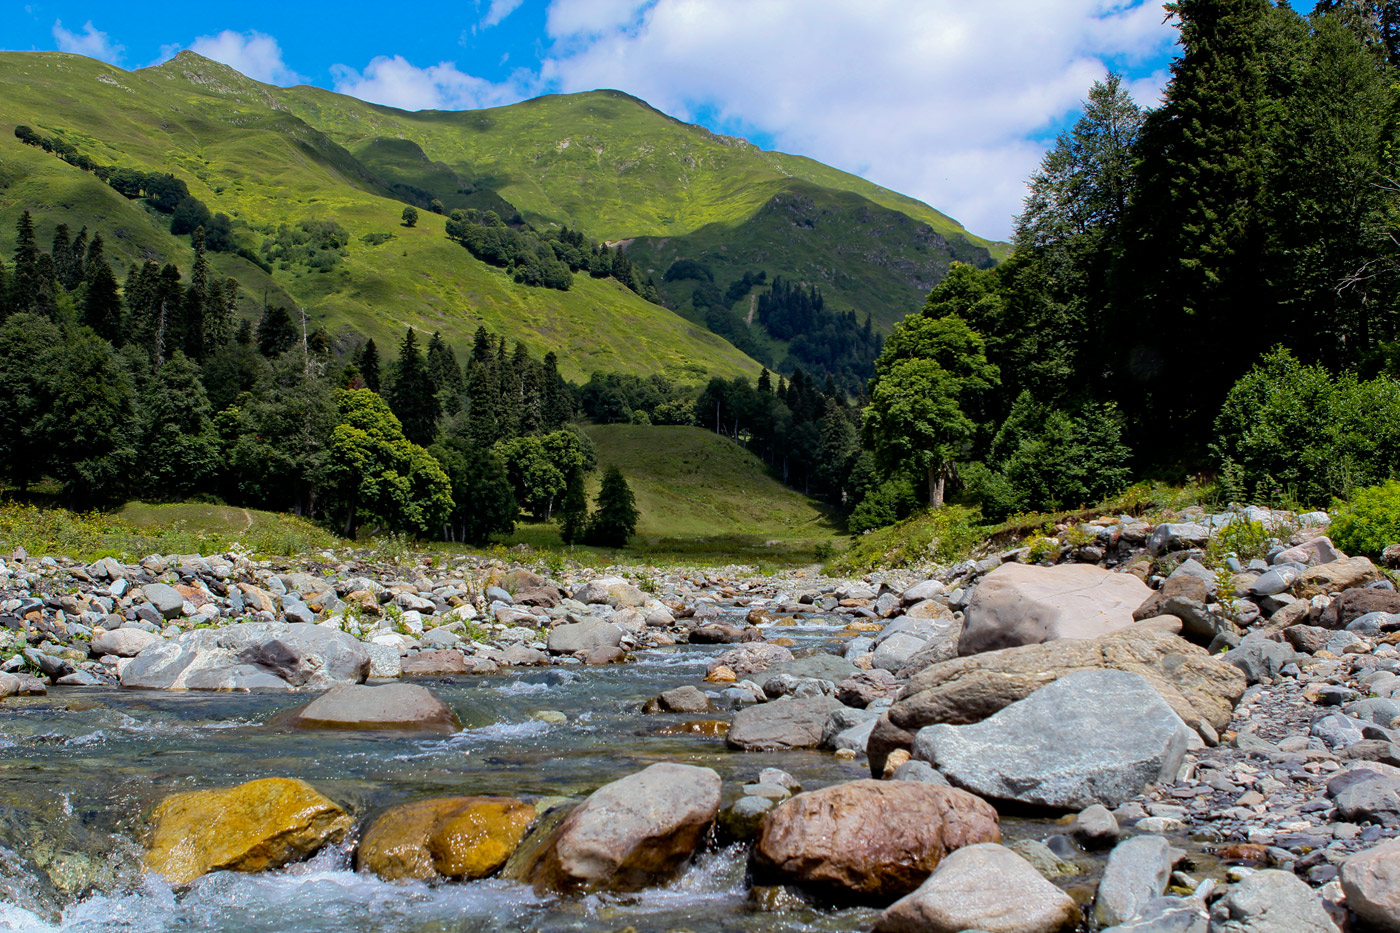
column 692, row 483
column 263, row 167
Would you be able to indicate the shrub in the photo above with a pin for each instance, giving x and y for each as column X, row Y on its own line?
column 890, row 502
column 1369, row 521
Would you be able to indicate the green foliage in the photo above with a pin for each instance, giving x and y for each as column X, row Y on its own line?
column 318, row 245
column 933, row 536
column 892, row 501
column 412, row 396
column 573, row 511
column 410, row 217
column 1246, row 540
column 615, row 515
column 1290, row 428
column 1369, row 521
column 484, row 503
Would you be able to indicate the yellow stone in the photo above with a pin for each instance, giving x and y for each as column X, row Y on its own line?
column 783, row 642
column 252, row 827
column 449, row 837
column 892, row 762
column 863, row 627
column 721, row 675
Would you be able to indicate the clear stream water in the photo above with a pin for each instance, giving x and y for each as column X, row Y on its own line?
column 81, row 769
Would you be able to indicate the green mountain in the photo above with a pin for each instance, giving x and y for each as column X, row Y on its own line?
column 602, row 162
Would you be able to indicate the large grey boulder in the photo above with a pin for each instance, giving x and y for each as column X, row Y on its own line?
column 1371, row 882
column 165, row 598
column 982, row 887
column 935, row 639
column 631, row 833
column 787, row 723
column 1089, row 737
column 584, row 636
column 123, row 642
column 1138, row 871
column 1270, row 901
column 1021, row 604
column 1167, row 915
column 1259, row 657
column 1376, row 799
column 392, row 706
column 250, row 656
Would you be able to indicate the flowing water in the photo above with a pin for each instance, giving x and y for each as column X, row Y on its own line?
column 81, row 770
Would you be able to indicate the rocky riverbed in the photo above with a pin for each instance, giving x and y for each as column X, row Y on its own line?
column 1114, row 737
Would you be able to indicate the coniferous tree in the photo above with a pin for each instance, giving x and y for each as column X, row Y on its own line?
column 412, row 398
column 615, row 518
column 442, row 365
column 244, row 336
column 76, row 271
column 573, row 509
column 557, row 401
column 46, row 297
column 508, row 390
column 4, row 292
column 62, row 253
column 276, row 332
column 529, row 412
column 367, row 362
column 102, row 305
column 24, row 280
column 483, row 402
column 197, row 300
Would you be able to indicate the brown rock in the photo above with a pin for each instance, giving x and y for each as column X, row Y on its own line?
column 1183, row 586
column 604, row 654
column 865, row 687
column 1349, row 605
column 716, row 633
column 749, row 659
column 451, row 837
column 252, row 827
column 391, row 706
column 1371, row 881
column 893, row 761
column 1336, row 576
column 710, row 728
column 1308, row 638
column 721, row 675
column 1021, row 604
column 869, row 840
column 1196, row 685
column 441, row 662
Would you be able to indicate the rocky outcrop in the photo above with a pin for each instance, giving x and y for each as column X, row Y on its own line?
column 1371, row 882
column 869, row 840
column 632, row 833
column 1022, row 604
column 451, row 837
column 256, row 826
column 250, row 656
column 1199, row 687
column 1090, row 737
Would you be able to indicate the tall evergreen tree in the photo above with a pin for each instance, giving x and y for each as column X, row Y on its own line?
column 76, row 271
column 102, row 305
column 24, row 280
column 442, row 366
column 412, row 398
column 197, row 299
column 62, row 253
column 557, row 401
column 276, row 332
column 573, row 509
column 483, row 402
column 367, row 361
column 614, row 519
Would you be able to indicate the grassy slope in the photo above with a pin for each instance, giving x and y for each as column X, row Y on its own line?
column 215, row 129
column 692, row 483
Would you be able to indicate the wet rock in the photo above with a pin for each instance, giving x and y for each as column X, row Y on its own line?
column 749, row 659
column 1089, row 737
column 982, row 887
column 679, row 700
column 584, row 637
column 392, row 706
column 452, row 837
column 790, row 722
column 634, row 832
column 1138, row 870
column 716, row 633
column 1371, row 881
column 253, row 655
column 1200, row 688
column 869, row 840
column 1020, row 604
column 253, row 827
column 444, row 662
column 1270, row 901
column 1095, row 827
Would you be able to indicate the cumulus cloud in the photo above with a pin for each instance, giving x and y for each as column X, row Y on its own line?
column 252, row 53
column 942, row 100
column 499, row 10
column 397, row 82
column 90, row 42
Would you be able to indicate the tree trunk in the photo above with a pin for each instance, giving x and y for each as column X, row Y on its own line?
column 936, row 478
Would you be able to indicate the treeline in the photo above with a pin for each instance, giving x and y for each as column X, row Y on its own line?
column 547, row 259
column 1160, row 255
column 152, row 390
column 163, row 192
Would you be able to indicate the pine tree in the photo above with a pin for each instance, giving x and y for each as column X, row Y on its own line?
column 276, row 332
column 557, row 401
column 765, row 381
column 483, row 402
column 529, row 413
column 367, row 362
column 508, row 389
column 412, row 398
column 62, row 253
column 442, row 365
column 102, row 306
column 573, row 510
column 24, row 281
column 615, row 518
column 197, row 299
column 77, row 267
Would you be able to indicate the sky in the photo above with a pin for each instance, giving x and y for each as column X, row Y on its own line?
column 952, row 102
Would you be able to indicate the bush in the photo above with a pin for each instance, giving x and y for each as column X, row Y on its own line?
column 892, row 501
column 1369, row 522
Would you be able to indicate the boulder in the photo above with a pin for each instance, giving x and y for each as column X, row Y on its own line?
column 1138, row 871
column 1319, row 550
column 819, row 666
column 1259, row 657
column 1371, row 882
column 749, row 659
column 865, row 687
column 442, row 662
column 1350, row 605
column 1199, row 687
column 123, row 642
column 250, row 656
column 936, row 639
column 982, row 887
column 1022, row 604
column 392, row 706
column 1270, row 901
column 452, row 837
column 790, row 722
column 679, row 700
column 256, row 826
column 1376, row 799
column 634, row 832
column 716, row 633
column 166, row 599
column 868, row 840
column 584, row 637
column 1337, row 576
column 1089, row 737
column 1175, row 536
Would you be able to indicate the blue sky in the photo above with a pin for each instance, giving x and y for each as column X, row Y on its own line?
column 951, row 102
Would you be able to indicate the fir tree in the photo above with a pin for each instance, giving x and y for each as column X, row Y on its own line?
column 367, row 362
column 276, row 332
column 102, row 306
column 442, row 365
column 573, row 510
column 62, row 253
column 197, row 300
column 412, row 398
column 615, row 518
column 24, row 280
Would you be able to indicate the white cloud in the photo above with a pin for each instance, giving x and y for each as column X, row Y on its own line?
column 90, row 42
column 499, row 10
column 253, row 53
column 396, row 82
column 941, row 99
